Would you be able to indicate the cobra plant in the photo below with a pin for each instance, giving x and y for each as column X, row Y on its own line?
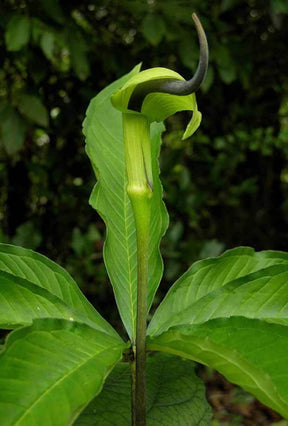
column 64, row 364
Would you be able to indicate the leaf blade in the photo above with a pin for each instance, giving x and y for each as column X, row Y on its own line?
column 46, row 359
column 175, row 396
column 42, row 272
column 261, row 295
column 22, row 301
column 205, row 277
column 241, row 349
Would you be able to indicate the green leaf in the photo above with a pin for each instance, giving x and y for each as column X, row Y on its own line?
column 17, row 33
column 32, row 107
column 50, row 371
column 175, row 396
column 250, row 353
column 22, row 301
column 226, row 66
column 13, row 129
column 42, row 272
column 79, row 58
column 202, row 291
column 158, row 106
column 209, row 79
column 262, row 295
column 103, row 131
column 188, row 51
column 27, row 235
column 153, row 28
column 47, row 44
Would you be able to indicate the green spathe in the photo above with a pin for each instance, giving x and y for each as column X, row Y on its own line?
column 103, row 129
column 159, row 106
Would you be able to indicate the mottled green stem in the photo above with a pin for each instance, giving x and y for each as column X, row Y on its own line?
column 133, row 385
column 138, row 164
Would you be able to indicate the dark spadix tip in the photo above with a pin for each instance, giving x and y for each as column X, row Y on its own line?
column 173, row 86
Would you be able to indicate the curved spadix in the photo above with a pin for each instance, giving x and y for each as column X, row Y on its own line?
column 158, row 93
column 175, row 86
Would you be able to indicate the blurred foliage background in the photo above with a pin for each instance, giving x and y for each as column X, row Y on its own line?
column 226, row 186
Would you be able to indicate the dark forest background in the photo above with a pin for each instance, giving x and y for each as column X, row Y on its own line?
column 225, row 186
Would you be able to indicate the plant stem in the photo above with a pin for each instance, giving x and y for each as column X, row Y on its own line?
column 138, row 367
column 133, row 385
column 142, row 280
column 138, row 164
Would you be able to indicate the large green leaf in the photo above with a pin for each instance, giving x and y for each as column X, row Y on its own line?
column 39, row 271
column 22, row 301
column 250, row 353
column 50, row 371
column 261, row 295
column 103, row 131
column 175, row 396
column 203, row 291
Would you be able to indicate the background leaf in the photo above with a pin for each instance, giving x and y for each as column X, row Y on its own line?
column 103, row 131
column 13, row 129
column 175, row 396
column 17, row 33
column 153, row 28
column 241, row 349
column 57, row 364
column 32, row 107
column 78, row 51
column 27, row 236
column 47, row 44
